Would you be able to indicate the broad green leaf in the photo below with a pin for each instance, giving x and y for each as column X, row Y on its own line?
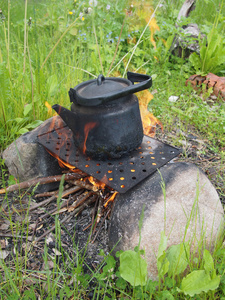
column 209, row 264
column 177, row 257
column 198, row 281
column 19, row 120
column 27, row 109
column 214, row 40
column 34, row 124
column 162, row 262
column 133, row 268
column 169, row 41
column 195, row 61
column 162, row 265
column 166, row 295
column 22, row 130
column 110, row 264
column 162, row 244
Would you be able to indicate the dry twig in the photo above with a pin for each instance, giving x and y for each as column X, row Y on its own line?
column 43, row 180
column 64, row 194
column 67, row 218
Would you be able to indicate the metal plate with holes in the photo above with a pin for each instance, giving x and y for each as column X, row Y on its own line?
column 120, row 174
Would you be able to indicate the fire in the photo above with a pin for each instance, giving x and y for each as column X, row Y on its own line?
column 63, row 164
column 110, row 199
column 98, row 184
column 149, row 121
column 49, row 107
column 87, row 128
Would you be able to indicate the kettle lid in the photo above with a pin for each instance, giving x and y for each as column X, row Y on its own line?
column 101, row 90
column 87, row 92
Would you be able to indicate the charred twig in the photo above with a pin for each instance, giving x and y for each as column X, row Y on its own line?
column 99, row 213
column 81, row 200
column 86, row 185
column 93, row 216
column 29, row 238
column 77, row 171
column 67, row 218
column 100, row 226
column 87, row 227
column 85, row 204
column 43, row 180
column 64, row 194
column 77, row 203
column 46, row 194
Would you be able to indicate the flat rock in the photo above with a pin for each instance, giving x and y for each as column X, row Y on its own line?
column 193, row 213
column 27, row 159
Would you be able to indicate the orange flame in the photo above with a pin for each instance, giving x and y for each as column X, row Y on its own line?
column 87, row 128
column 110, row 199
column 49, row 107
column 62, row 163
column 149, row 121
column 97, row 183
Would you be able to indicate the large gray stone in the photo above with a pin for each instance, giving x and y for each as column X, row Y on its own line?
column 190, row 197
column 27, row 159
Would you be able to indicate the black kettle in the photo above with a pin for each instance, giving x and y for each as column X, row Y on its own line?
column 105, row 117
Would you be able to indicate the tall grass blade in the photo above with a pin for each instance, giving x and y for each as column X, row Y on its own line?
column 59, row 40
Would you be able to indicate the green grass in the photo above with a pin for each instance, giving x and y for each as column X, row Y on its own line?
column 41, row 59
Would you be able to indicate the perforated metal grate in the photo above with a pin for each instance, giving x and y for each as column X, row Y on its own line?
column 120, row 174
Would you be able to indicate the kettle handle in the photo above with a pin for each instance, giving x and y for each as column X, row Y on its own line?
column 144, row 82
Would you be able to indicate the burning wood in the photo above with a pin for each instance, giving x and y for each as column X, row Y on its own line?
column 110, row 199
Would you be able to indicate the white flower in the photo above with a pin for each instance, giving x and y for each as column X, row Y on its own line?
column 89, row 10
column 108, row 7
column 93, row 3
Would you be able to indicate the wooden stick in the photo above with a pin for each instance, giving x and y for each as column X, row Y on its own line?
column 46, row 194
column 29, row 238
column 85, row 185
column 77, row 210
column 99, row 214
column 64, row 194
column 42, row 180
column 100, row 226
column 81, row 200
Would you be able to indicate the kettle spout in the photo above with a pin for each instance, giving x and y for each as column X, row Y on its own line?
column 67, row 116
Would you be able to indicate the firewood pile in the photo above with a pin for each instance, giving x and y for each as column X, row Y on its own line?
column 80, row 207
column 77, row 194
